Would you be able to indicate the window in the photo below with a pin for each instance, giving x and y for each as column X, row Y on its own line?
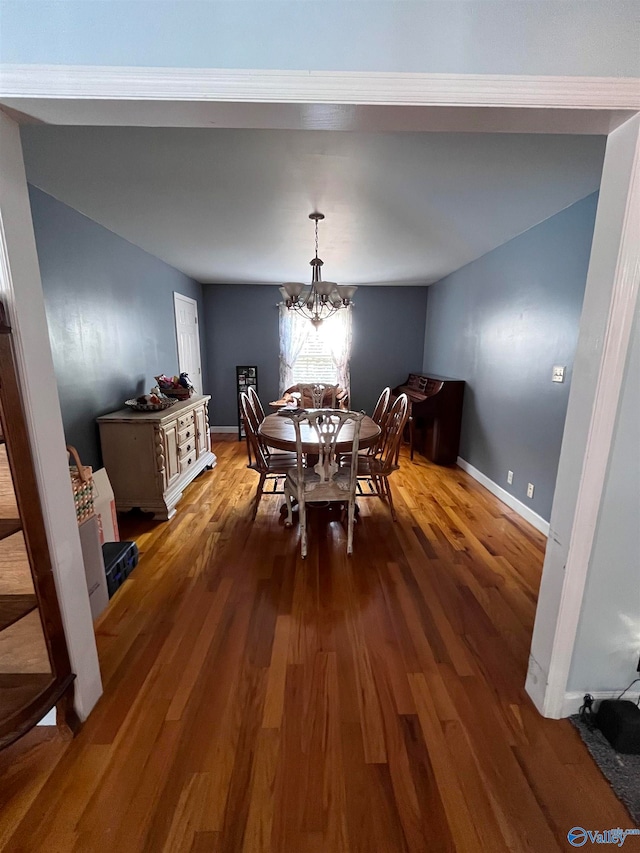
column 307, row 355
column 315, row 362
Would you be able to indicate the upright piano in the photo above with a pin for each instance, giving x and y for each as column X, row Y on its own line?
column 435, row 409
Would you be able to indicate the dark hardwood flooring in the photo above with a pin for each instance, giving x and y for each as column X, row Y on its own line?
column 258, row 702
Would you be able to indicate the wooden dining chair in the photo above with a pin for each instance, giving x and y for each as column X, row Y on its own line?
column 327, row 480
column 321, row 395
column 252, row 394
column 270, row 466
column 377, row 467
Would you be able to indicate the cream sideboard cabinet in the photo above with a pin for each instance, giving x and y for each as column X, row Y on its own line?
column 151, row 457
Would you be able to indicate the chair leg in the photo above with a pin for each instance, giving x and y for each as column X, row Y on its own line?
column 376, row 485
column 350, row 519
column 289, row 501
column 411, row 438
column 390, row 499
column 263, row 477
column 302, row 515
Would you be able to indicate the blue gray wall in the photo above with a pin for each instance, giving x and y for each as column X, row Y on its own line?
column 242, row 328
column 501, row 323
column 388, row 336
column 110, row 313
column 607, row 645
column 465, row 36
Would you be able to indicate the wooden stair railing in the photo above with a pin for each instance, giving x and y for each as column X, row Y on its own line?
column 27, row 585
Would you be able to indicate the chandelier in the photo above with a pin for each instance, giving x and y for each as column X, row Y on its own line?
column 321, row 299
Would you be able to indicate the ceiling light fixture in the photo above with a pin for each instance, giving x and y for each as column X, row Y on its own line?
column 322, row 298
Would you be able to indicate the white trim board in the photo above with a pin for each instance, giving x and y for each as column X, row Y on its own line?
column 608, row 310
column 528, row 514
column 319, row 100
column 223, row 429
column 573, row 699
column 21, row 290
column 318, row 87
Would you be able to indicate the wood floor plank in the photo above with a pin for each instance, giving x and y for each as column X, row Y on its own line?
column 202, row 646
column 32, row 761
column 274, row 701
column 458, row 811
column 261, row 703
column 435, row 826
column 191, row 804
column 259, row 827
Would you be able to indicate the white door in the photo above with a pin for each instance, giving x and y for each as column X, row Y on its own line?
column 188, row 339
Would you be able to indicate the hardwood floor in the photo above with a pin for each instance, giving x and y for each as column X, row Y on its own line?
column 258, row 702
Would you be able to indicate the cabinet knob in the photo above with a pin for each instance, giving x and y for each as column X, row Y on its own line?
column 188, row 447
column 188, row 462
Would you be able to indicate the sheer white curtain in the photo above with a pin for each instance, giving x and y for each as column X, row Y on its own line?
column 338, row 336
column 294, row 331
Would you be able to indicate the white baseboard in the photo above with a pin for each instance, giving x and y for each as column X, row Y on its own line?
column 528, row 514
column 573, row 700
column 223, row 429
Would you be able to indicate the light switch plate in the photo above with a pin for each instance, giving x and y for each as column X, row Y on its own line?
column 557, row 374
column 509, row 477
column 530, row 490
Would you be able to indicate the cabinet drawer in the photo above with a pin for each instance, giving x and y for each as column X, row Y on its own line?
column 185, row 420
column 186, row 435
column 187, row 447
column 187, row 461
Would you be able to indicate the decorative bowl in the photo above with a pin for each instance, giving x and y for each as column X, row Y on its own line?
column 150, row 407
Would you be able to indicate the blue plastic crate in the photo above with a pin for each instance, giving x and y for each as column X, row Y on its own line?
column 120, row 559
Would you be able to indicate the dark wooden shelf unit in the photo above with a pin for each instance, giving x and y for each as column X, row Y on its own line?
column 26, row 697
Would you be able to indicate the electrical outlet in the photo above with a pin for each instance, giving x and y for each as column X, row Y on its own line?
column 530, row 490
column 510, row 477
column 557, row 374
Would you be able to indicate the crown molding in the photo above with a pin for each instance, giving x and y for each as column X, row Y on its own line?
column 330, row 87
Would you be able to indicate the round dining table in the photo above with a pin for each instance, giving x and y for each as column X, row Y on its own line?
column 279, row 432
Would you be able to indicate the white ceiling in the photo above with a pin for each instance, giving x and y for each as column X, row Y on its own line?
column 231, row 205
